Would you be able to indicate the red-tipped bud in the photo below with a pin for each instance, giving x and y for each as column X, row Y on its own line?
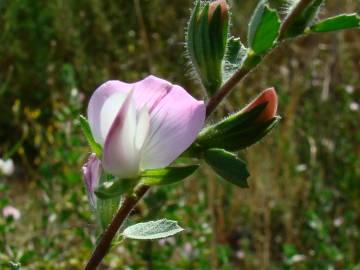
column 269, row 97
column 224, row 9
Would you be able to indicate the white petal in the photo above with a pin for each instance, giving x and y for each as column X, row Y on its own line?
column 108, row 113
column 142, row 128
column 121, row 158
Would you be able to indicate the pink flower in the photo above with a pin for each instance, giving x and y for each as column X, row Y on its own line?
column 143, row 125
column 91, row 174
column 11, row 211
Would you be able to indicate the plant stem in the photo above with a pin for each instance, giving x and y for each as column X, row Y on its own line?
column 127, row 206
column 224, row 90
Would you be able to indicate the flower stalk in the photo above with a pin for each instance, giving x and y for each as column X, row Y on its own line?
column 127, row 206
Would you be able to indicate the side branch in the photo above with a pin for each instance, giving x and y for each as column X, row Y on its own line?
column 105, row 242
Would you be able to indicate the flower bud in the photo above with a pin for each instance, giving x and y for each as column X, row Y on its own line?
column 244, row 128
column 207, row 35
column 224, row 9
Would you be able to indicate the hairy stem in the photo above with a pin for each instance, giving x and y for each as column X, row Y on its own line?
column 103, row 246
column 224, row 90
column 239, row 75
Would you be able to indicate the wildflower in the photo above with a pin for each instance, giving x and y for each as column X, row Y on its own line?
column 7, row 167
column 144, row 125
column 11, row 211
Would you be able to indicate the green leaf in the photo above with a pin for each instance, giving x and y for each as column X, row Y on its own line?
column 228, row 166
column 152, row 230
column 95, row 147
column 114, row 188
column 263, row 28
column 340, row 22
column 166, row 176
column 15, row 266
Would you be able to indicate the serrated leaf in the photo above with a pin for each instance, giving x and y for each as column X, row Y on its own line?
column 340, row 22
column 166, row 176
column 263, row 28
column 15, row 266
column 235, row 56
column 95, row 147
column 228, row 166
column 152, row 230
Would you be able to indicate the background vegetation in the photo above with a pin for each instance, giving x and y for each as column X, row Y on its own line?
column 302, row 209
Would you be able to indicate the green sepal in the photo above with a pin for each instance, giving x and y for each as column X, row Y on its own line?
column 106, row 210
column 152, row 230
column 114, row 188
column 264, row 28
column 245, row 138
column 167, row 176
column 236, row 132
column 206, row 43
column 95, row 147
column 305, row 19
column 228, row 166
column 340, row 22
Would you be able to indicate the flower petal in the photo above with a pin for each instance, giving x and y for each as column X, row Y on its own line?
column 269, row 96
column 175, row 122
column 91, row 174
column 121, row 158
column 150, row 91
column 97, row 100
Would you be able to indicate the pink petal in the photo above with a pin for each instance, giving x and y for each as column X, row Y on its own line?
column 148, row 91
column 121, row 158
column 269, row 96
column 11, row 211
column 91, row 174
column 97, row 100
column 175, row 121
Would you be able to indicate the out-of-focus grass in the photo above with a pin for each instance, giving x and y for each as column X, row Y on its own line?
column 301, row 211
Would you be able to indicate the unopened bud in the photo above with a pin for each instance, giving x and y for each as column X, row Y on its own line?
column 207, row 36
column 224, row 9
column 241, row 129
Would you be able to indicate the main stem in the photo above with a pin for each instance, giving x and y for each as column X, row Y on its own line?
column 105, row 242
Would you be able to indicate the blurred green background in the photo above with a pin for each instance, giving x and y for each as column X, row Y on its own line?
column 302, row 209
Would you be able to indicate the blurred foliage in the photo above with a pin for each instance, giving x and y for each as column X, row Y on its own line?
column 302, row 208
